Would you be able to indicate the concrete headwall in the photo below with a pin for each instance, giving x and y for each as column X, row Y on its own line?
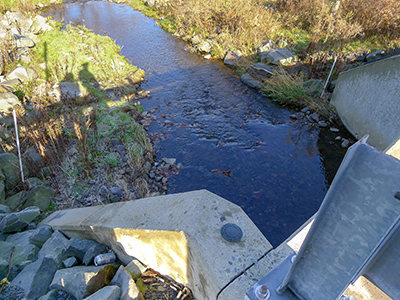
column 367, row 100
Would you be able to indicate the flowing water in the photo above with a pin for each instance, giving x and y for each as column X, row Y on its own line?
column 275, row 169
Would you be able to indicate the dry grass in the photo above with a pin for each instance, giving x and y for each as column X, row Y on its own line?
column 231, row 24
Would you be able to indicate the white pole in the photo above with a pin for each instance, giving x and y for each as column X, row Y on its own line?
column 19, row 150
column 330, row 73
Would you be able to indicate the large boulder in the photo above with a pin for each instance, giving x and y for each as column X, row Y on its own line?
column 81, row 281
column 9, row 165
column 84, row 250
column 112, row 292
column 40, row 235
column 57, row 240
column 40, row 196
column 251, row 81
column 36, row 277
column 8, row 101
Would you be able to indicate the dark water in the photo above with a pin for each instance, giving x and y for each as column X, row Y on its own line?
column 278, row 174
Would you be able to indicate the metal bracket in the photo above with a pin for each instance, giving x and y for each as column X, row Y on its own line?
column 272, row 281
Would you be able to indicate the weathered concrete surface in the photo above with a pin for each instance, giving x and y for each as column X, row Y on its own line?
column 367, row 101
column 178, row 235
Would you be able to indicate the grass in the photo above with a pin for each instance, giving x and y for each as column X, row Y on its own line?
column 25, row 6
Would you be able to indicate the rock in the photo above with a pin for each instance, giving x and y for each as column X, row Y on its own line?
column 8, row 101
column 19, row 19
column 232, row 58
column 204, row 47
column 23, row 74
column 314, row 87
column 116, row 194
column 261, row 70
column 70, row 262
column 331, row 86
column 104, row 194
column 92, row 252
column 17, row 221
column 375, row 55
column 57, row 295
column 40, row 196
column 129, row 290
column 36, row 277
column 41, row 235
column 345, row 143
column 196, row 40
column 33, row 182
column 278, row 56
column 322, row 124
column 57, row 239
column 169, row 161
column 112, row 292
column 2, row 192
column 78, row 247
column 251, row 81
column 69, row 90
column 266, row 46
column 83, row 281
column 10, row 84
column 20, row 238
column 40, row 24
column 35, row 160
column 207, row 56
column 15, row 201
column 58, row 255
column 23, row 41
column 333, row 129
column 4, row 209
column 135, row 268
column 12, row 292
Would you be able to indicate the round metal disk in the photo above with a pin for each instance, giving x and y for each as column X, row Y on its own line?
column 231, row 232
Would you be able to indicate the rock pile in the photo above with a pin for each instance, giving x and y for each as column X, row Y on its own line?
column 40, row 263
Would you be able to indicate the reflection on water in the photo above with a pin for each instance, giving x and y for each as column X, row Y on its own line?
column 215, row 124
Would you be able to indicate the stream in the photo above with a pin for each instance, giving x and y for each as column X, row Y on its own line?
column 230, row 139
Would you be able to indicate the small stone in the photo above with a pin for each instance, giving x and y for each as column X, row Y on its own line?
column 152, row 175
column 333, row 129
column 338, row 138
column 315, row 116
column 164, row 180
column 232, row 58
column 345, row 143
column 70, row 262
column 207, row 56
column 169, row 161
column 322, row 124
column 305, row 110
column 148, row 165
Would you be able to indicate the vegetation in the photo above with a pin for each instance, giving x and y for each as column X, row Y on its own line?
column 25, row 6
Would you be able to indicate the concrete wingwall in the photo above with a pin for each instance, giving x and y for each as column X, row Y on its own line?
column 367, row 100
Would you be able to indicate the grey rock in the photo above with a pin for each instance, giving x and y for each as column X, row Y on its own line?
column 232, row 58
column 104, row 193
column 40, row 24
column 83, row 281
column 36, row 277
column 116, row 193
column 41, row 235
column 20, row 238
column 12, row 292
column 78, row 247
column 40, row 196
column 314, row 87
column 261, row 70
column 57, row 239
column 57, row 295
column 4, row 267
column 333, row 129
column 251, row 81
column 315, row 116
column 69, row 90
column 58, row 255
column 17, row 221
column 34, row 158
column 305, row 110
column 8, row 101
column 70, row 262
column 278, row 56
column 23, row 74
column 2, row 192
column 135, row 268
column 169, row 161
column 20, row 253
column 16, row 200
column 92, row 252
column 322, row 124
column 112, row 292
column 4, row 209
column 204, row 47
column 266, row 46
column 129, row 290
column 10, row 83
column 23, row 41
column 375, row 55
column 345, row 143
column 33, row 182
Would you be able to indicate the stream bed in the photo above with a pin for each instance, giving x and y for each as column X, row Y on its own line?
column 230, row 139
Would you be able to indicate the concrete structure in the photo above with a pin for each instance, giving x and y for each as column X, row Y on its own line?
column 178, row 235
column 367, row 100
